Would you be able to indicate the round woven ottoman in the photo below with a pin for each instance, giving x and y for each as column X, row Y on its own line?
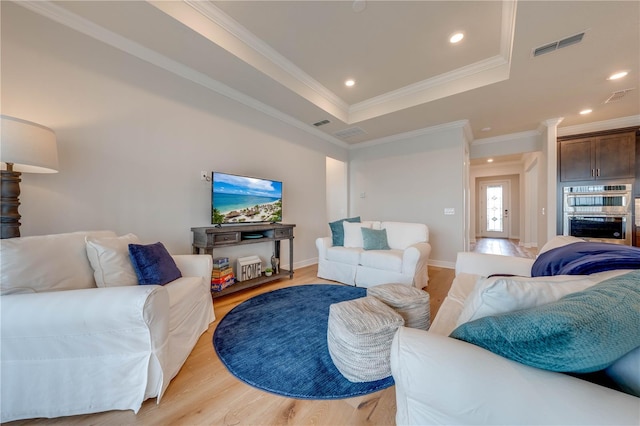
column 359, row 338
column 412, row 304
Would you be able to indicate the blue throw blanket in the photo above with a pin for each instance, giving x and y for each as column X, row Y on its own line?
column 585, row 258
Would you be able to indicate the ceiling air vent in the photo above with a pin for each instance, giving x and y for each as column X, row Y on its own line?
column 551, row 47
column 350, row 132
column 616, row 96
column 321, row 123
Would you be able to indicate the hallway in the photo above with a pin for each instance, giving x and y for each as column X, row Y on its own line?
column 502, row 246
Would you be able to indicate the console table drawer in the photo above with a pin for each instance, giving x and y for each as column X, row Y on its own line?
column 226, row 238
column 283, row 233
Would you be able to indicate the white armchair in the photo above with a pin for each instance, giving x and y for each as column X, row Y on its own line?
column 69, row 347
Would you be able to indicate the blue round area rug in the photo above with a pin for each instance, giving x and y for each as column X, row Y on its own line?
column 277, row 342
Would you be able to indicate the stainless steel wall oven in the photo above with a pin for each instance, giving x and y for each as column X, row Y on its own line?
column 598, row 212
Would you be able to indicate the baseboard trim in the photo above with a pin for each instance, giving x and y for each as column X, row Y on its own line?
column 442, row 264
column 436, row 263
column 304, row 263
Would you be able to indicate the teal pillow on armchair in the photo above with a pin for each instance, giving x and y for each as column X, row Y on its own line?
column 583, row 332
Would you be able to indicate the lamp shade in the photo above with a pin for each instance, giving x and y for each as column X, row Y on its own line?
column 29, row 146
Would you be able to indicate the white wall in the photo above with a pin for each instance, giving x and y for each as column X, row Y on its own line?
column 337, row 190
column 414, row 180
column 531, row 199
column 132, row 139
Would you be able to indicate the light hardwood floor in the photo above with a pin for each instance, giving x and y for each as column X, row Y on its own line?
column 205, row 393
column 504, row 247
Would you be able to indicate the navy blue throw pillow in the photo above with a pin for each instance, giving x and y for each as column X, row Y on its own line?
column 153, row 264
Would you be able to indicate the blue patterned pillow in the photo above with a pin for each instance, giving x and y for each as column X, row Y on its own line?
column 153, row 264
column 374, row 239
column 582, row 332
column 337, row 230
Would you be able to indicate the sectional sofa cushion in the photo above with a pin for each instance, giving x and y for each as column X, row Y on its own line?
column 582, row 332
column 337, row 230
column 385, row 260
column 626, row 372
column 353, row 234
column 109, row 258
column 497, row 295
column 20, row 273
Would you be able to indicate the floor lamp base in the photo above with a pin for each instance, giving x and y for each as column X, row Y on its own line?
column 9, row 216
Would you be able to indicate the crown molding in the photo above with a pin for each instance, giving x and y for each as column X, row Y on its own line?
column 505, row 138
column 397, row 99
column 217, row 16
column 481, row 73
column 616, row 123
column 460, row 124
column 494, row 166
column 62, row 16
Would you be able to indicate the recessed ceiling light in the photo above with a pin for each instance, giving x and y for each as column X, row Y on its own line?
column 456, row 37
column 489, row 160
column 349, row 83
column 586, row 111
column 618, row 75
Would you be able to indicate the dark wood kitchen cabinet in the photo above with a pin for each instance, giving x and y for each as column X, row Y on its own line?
column 597, row 157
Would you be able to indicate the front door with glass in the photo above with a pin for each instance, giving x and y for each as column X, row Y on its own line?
column 494, row 209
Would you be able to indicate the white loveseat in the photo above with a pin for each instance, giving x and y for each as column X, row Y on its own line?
column 441, row 380
column 70, row 348
column 404, row 262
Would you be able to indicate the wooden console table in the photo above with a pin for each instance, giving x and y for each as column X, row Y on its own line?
column 208, row 238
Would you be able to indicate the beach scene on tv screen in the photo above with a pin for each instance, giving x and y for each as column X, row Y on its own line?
column 242, row 199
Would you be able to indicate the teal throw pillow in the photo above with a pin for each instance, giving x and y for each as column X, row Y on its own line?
column 374, row 239
column 582, row 332
column 153, row 264
column 337, row 230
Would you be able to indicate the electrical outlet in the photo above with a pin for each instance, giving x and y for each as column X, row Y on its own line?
column 204, row 175
column 449, row 211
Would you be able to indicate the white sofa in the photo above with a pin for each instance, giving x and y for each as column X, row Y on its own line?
column 70, row 348
column 441, row 380
column 405, row 262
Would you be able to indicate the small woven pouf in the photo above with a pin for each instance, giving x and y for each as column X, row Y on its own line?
column 412, row 304
column 359, row 338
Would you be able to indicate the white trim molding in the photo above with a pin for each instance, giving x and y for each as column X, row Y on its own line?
column 616, row 123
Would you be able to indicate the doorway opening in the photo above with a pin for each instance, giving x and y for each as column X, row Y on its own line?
column 494, row 209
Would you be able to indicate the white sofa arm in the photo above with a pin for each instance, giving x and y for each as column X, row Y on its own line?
column 440, row 380
column 488, row 264
column 415, row 261
column 322, row 244
column 64, row 348
column 414, row 255
column 73, row 312
column 194, row 265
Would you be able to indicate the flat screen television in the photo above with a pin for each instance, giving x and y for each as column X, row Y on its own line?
column 243, row 199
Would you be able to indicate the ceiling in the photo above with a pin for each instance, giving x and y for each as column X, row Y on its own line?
column 290, row 59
